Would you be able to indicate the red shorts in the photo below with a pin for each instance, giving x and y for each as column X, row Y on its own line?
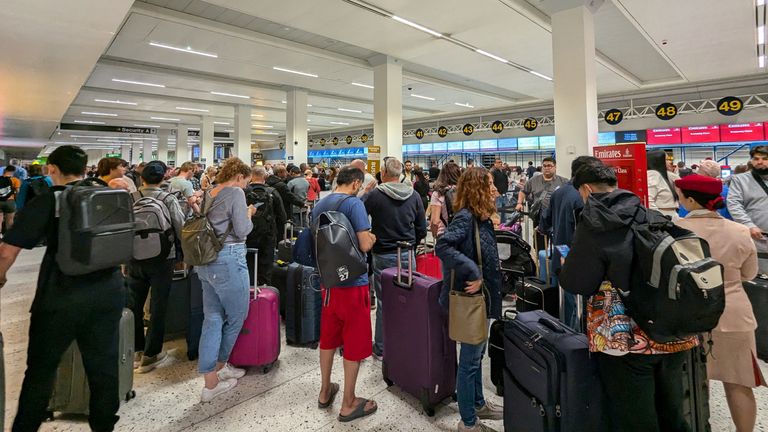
column 346, row 321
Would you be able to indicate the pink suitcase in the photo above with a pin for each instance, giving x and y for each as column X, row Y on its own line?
column 259, row 341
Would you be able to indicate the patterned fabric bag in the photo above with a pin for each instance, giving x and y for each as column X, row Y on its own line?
column 609, row 329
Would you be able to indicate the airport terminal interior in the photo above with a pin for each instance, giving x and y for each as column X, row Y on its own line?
column 325, row 83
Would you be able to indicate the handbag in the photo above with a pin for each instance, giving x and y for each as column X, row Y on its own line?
column 467, row 316
column 609, row 328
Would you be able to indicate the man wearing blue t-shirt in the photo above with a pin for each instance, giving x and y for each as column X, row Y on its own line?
column 346, row 318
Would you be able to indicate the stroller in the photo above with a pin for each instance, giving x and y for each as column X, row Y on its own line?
column 515, row 260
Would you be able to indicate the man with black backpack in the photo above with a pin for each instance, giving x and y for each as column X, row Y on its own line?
column 159, row 220
column 268, row 222
column 85, row 307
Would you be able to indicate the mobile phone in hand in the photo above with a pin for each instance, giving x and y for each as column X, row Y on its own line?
column 563, row 250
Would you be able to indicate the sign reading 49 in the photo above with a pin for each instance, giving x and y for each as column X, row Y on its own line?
column 729, row 106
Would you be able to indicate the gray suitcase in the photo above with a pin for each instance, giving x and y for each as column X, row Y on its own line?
column 71, row 394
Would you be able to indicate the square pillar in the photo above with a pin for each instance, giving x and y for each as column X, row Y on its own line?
column 183, row 153
column 242, row 148
column 146, row 151
column 573, row 50
column 296, row 126
column 135, row 153
column 388, row 106
column 125, row 152
column 206, row 141
column 162, row 145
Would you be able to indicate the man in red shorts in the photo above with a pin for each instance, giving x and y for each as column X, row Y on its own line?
column 346, row 318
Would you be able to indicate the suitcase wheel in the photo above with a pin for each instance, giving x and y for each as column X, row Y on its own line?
column 314, row 345
column 499, row 390
column 130, row 395
column 384, row 375
column 388, row 382
column 429, row 410
column 455, row 397
column 49, row 416
column 266, row 368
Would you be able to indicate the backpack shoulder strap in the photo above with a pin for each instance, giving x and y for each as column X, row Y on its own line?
column 760, row 181
column 340, row 202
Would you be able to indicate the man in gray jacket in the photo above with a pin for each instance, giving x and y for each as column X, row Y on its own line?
column 748, row 202
column 298, row 185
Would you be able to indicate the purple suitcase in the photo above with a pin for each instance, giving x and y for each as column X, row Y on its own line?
column 418, row 354
column 259, row 341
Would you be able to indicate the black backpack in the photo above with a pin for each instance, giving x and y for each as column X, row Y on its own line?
column 538, row 206
column 261, row 196
column 677, row 288
column 449, row 197
column 95, row 227
column 336, row 248
column 6, row 188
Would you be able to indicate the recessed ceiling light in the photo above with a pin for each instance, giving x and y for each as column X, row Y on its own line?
column 115, row 102
column 89, row 122
column 309, row 129
column 362, row 85
column 257, row 115
column 98, row 114
column 422, row 97
column 258, row 126
column 165, row 119
column 541, row 75
column 350, row 110
column 309, row 105
column 493, row 56
column 283, row 101
column 309, row 120
column 138, row 83
column 416, row 26
column 294, row 72
column 230, row 95
column 339, row 123
column 221, row 123
column 188, row 50
column 192, row 109
column 465, row 105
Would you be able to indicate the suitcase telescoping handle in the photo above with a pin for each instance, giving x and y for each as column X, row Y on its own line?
column 285, row 230
column 255, row 271
column 399, row 279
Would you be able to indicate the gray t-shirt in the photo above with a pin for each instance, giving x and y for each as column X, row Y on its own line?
column 181, row 184
column 299, row 186
column 229, row 207
column 537, row 187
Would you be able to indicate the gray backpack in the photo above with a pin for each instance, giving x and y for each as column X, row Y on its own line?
column 153, row 237
column 199, row 241
column 95, row 228
column 337, row 250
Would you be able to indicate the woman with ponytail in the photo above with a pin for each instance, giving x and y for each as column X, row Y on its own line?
column 733, row 360
column 661, row 192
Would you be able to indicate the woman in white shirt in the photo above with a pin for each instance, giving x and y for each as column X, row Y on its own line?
column 661, row 194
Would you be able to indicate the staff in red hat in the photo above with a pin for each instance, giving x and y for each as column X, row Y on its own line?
column 733, row 360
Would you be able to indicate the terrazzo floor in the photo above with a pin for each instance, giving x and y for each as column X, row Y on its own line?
column 168, row 399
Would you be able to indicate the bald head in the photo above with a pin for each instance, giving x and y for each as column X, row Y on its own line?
column 359, row 164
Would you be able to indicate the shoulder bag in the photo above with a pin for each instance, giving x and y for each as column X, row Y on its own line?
column 467, row 315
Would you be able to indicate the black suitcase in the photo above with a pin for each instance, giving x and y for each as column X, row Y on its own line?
column 285, row 246
column 280, row 282
column 757, row 291
column 535, row 294
column 550, row 380
column 496, row 351
column 696, row 391
column 196, row 316
column 303, row 305
column 177, row 314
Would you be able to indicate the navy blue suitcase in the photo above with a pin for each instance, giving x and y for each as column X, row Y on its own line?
column 550, row 380
column 302, row 306
column 196, row 315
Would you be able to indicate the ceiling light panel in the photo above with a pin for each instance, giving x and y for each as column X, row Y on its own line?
column 540, row 75
column 422, row 97
column 465, row 105
column 493, row 56
column 306, row 74
column 416, row 26
column 362, row 85
column 339, row 123
column 259, row 126
column 138, row 83
column 115, row 102
column 230, row 95
column 98, row 114
column 192, row 109
column 165, row 119
column 89, row 122
column 350, row 110
column 187, row 50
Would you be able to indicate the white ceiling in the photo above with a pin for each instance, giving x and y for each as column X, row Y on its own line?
column 641, row 44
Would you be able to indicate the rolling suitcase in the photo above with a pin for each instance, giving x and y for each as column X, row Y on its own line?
column 196, row 315
column 429, row 264
column 535, row 294
column 285, row 246
column 71, row 394
column 280, row 282
column 177, row 314
column 496, row 351
column 303, row 304
column 259, row 341
column 418, row 354
column 550, row 380
column 757, row 291
column 696, row 391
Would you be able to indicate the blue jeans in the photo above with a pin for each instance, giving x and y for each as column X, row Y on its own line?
column 226, row 297
column 469, row 382
column 380, row 263
column 501, row 207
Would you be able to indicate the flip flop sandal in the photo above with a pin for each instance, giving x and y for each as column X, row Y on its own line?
column 331, row 398
column 359, row 412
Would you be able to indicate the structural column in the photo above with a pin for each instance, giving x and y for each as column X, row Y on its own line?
column 206, row 141
column 573, row 49
column 146, row 152
column 242, row 148
column 296, row 126
column 183, row 152
column 135, row 153
column 388, row 105
column 125, row 152
column 162, row 145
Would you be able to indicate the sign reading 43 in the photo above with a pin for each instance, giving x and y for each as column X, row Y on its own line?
column 468, row 129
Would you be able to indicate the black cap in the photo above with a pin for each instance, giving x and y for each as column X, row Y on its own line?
column 154, row 172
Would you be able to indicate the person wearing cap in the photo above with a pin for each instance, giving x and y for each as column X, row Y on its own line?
column 143, row 276
column 748, row 201
column 734, row 353
column 710, row 168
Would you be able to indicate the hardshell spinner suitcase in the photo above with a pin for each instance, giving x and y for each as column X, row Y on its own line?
column 303, row 306
column 196, row 316
column 550, row 380
column 757, row 291
column 696, row 391
column 285, row 246
column 177, row 314
column 71, row 394
column 280, row 282
column 429, row 264
column 496, row 351
column 535, row 294
column 418, row 354
column 259, row 341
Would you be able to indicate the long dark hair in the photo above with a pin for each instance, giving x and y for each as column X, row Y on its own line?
column 657, row 161
column 449, row 176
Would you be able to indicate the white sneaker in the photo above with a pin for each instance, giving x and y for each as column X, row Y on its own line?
column 478, row 427
column 221, row 388
column 230, row 372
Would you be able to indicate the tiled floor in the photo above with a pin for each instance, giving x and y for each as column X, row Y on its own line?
column 282, row 400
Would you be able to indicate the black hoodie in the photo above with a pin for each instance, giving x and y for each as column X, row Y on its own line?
column 602, row 247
